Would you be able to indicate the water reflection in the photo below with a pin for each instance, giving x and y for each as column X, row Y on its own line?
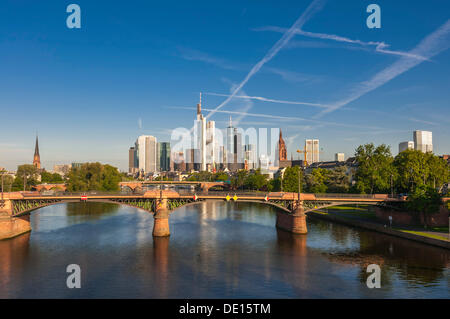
column 217, row 250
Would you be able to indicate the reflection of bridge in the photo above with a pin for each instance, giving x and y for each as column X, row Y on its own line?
column 15, row 208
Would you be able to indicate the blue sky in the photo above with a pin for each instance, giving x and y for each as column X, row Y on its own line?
column 137, row 67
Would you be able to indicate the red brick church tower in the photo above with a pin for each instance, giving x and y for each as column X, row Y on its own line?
column 37, row 157
column 282, row 152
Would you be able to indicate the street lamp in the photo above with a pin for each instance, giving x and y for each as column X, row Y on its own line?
column 2, row 201
column 299, row 186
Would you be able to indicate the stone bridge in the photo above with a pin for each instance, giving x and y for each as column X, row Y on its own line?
column 204, row 186
column 15, row 208
column 48, row 187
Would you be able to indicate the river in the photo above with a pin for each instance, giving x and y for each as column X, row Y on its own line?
column 216, row 250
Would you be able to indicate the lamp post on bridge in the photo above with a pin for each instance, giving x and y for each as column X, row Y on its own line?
column 2, row 201
column 299, row 186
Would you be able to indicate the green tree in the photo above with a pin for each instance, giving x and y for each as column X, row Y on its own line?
column 26, row 172
column 50, row 178
column 424, row 199
column 201, row 177
column 337, row 180
column 315, row 181
column 290, row 179
column 7, row 181
column 221, row 176
column 238, row 179
column 375, row 168
column 93, row 176
column 416, row 168
column 256, row 181
column 274, row 185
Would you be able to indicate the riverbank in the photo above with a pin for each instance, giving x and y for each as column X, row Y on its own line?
column 362, row 217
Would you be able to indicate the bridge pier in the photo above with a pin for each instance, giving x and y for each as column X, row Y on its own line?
column 294, row 222
column 161, row 219
column 12, row 226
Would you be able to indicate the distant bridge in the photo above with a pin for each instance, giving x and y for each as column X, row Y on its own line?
column 205, row 186
column 49, row 187
column 15, row 207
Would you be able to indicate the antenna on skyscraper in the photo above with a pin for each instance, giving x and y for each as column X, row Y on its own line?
column 199, row 106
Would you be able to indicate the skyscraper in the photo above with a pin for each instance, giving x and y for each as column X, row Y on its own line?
column 251, row 156
column 238, row 150
column 403, row 146
column 147, row 153
column 132, row 160
column 37, row 157
column 423, row 141
column 200, row 137
column 229, row 151
column 211, row 144
column 312, row 151
column 164, row 156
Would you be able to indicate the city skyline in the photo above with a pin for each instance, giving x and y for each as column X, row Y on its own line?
column 140, row 74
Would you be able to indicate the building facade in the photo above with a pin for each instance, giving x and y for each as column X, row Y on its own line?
column 164, row 156
column 282, row 151
column 339, row 157
column 312, row 151
column 423, row 141
column 147, row 154
column 403, row 146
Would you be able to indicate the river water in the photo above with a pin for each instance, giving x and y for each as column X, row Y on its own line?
column 216, row 250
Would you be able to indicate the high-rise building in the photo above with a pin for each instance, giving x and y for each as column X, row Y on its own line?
column 238, row 150
column 37, row 157
column 211, row 144
column 229, row 151
column 264, row 162
column 200, row 137
column 251, row 156
column 312, row 151
column 147, row 153
column 423, row 141
column 339, row 157
column 132, row 160
column 179, row 162
column 164, row 156
column 403, row 146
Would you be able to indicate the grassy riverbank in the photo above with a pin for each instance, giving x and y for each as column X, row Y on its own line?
column 367, row 214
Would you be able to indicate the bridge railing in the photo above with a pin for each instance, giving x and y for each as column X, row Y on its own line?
column 355, row 196
column 38, row 194
column 222, row 193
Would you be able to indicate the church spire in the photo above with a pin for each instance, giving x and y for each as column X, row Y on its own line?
column 36, row 148
column 37, row 157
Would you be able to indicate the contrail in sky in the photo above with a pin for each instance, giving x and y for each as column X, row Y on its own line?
column 279, row 117
column 379, row 46
column 315, row 6
column 433, row 44
column 259, row 98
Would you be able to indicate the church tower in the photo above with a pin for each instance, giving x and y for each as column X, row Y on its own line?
column 282, row 152
column 37, row 157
